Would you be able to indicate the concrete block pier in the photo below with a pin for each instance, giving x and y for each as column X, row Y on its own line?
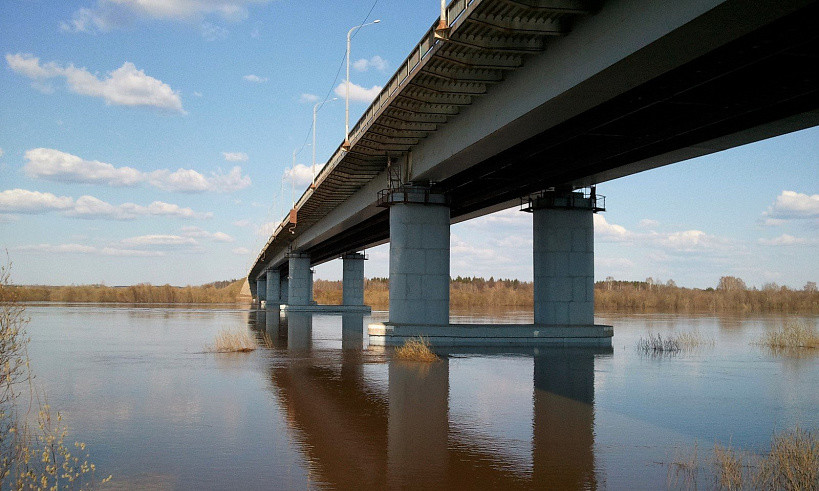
column 299, row 286
column 563, row 257
column 419, row 257
column 273, row 289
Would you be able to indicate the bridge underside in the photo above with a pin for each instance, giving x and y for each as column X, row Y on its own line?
column 760, row 85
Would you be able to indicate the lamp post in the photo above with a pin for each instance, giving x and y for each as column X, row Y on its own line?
column 346, row 145
column 315, row 109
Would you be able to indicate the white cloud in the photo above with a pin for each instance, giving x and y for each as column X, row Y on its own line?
column 112, row 14
column 609, row 232
column 648, row 223
column 255, row 79
column 182, row 180
column 681, row 241
column 197, row 94
column 357, row 92
column 235, row 156
column 244, row 222
column 125, row 86
column 204, row 234
column 300, row 175
column 788, row 240
column 376, row 63
column 790, row 205
column 241, row 251
column 510, row 216
column 471, row 252
column 691, row 240
column 266, row 229
column 161, row 240
column 212, row 32
column 613, row 263
column 114, row 251
column 54, row 165
column 1, row 152
column 305, row 97
column 24, row 201
column 85, row 249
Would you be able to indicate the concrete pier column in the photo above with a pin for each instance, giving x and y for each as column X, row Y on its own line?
column 564, row 259
column 300, row 287
column 272, row 290
column 261, row 288
column 419, row 257
column 284, row 290
column 352, row 292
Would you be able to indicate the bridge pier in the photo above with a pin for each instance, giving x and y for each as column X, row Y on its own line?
column 273, row 289
column 284, row 289
column 300, row 286
column 419, row 257
column 261, row 288
column 352, row 286
column 563, row 254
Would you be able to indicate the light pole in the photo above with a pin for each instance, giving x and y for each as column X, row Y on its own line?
column 315, row 108
column 346, row 145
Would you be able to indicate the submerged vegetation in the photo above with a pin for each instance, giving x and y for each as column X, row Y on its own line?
column 233, row 341
column 416, row 349
column 31, row 457
column 792, row 463
column 656, row 343
column 793, row 335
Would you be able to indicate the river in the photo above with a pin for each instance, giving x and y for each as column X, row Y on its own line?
column 317, row 407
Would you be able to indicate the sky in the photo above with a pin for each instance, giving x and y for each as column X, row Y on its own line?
column 147, row 141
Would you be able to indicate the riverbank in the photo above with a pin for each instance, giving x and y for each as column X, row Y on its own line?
column 730, row 296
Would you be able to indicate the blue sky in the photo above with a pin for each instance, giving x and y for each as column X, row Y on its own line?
column 148, row 141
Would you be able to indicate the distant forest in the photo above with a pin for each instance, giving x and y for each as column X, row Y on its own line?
column 730, row 295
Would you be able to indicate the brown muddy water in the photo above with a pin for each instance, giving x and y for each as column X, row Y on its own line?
column 317, row 407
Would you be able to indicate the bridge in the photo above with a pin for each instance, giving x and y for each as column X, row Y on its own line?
column 532, row 103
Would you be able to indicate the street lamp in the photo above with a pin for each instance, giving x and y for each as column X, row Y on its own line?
column 315, row 108
column 346, row 145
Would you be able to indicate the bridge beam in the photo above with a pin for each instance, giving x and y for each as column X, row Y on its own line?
column 300, row 285
column 352, row 292
column 419, row 257
column 563, row 254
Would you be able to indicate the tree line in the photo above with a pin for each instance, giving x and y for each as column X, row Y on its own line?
column 731, row 294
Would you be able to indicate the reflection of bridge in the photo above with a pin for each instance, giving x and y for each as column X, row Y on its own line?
column 358, row 435
column 532, row 100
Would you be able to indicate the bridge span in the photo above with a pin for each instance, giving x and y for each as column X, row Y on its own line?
column 529, row 101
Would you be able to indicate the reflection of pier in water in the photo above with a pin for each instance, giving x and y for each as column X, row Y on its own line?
column 356, row 434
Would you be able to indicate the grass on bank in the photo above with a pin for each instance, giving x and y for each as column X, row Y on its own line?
column 792, row 335
column 233, row 341
column 416, row 349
